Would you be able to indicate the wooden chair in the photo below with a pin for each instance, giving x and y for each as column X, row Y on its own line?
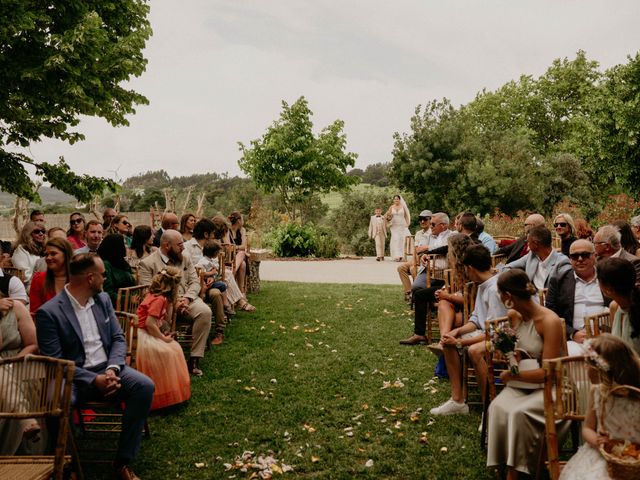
column 599, row 323
column 556, row 243
column 468, row 373
column 229, row 250
column 130, row 298
column 36, row 387
column 497, row 260
column 435, row 267
column 500, row 238
column 409, row 250
column 542, row 295
column 566, row 393
column 16, row 272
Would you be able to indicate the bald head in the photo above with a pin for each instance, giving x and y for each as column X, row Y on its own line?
column 533, row 220
column 170, row 236
column 172, row 245
column 581, row 245
column 170, row 221
column 583, row 259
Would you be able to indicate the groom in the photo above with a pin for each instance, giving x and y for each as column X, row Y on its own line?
column 79, row 324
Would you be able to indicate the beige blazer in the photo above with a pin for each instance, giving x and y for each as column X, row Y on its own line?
column 190, row 284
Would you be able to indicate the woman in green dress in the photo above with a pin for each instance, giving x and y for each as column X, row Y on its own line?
column 118, row 273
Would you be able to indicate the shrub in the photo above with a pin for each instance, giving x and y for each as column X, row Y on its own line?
column 294, row 240
column 326, row 243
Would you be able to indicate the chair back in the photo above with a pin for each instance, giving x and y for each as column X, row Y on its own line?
column 435, row 266
column 599, row 323
column 16, row 272
column 130, row 298
column 129, row 325
column 36, row 387
column 542, row 295
column 409, row 246
column 451, row 281
column 498, row 259
column 566, row 393
column 500, row 238
column 229, row 255
column 469, row 300
column 556, row 243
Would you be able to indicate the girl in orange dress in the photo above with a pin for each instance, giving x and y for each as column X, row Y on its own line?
column 159, row 356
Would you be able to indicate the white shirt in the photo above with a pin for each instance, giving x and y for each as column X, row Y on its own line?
column 587, row 300
column 94, row 352
column 194, row 250
column 208, row 264
column 438, row 241
column 16, row 288
column 423, row 238
column 542, row 272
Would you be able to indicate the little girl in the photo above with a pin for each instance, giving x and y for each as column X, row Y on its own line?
column 211, row 266
column 159, row 356
column 615, row 363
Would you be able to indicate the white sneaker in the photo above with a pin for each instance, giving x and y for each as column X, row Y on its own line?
column 450, row 408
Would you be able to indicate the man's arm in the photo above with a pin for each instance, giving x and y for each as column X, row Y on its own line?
column 145, row 273
column 521, row 263
column 50, row 346
column 192, row 281
column 118, row 350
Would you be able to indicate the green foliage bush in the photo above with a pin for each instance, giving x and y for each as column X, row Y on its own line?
column 295, row 240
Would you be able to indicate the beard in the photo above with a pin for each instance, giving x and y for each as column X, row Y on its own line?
column 175, row 257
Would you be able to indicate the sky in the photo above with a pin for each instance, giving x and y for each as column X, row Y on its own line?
column 218, row 71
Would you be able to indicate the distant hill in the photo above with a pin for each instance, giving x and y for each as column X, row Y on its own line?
column 47, row 194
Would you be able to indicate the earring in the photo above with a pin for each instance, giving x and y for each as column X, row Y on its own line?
column 508, row 303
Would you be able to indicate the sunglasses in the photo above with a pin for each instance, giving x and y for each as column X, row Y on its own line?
column 580, row 255
column 560, row 224
column 39, row 232
column 424, row 219
column 76, row 221
column 126, row 224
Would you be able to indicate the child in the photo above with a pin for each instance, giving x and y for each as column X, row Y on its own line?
column 211, row 266
column 159, row 356
column 378, row 232
column 615, row 363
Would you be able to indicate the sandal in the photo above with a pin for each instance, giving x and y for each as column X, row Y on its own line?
column 247, row 307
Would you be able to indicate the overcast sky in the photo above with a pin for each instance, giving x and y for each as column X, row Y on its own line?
column 218, row 71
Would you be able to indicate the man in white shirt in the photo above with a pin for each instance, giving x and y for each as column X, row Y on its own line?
column 607, row 244
column 421, row 244
column 93, row 236
column 477, row 260
column 79, row 324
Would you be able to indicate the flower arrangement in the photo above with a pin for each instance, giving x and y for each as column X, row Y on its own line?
column 504, row 340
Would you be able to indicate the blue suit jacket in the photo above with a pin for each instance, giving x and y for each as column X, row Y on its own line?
column 60, row 336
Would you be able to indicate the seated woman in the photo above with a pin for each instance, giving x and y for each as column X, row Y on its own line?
column 628, row 239
column 141, row 245
column 159, row 356
column 187, row 222
column 76, row 232
column 516, row 416
column 617, row 279
column 46, row 285
column 611, row 362
column 566, row 230
column 29, row 249
column 120, row 224
column 17, row 338
column 238, row 237
column 117, row 273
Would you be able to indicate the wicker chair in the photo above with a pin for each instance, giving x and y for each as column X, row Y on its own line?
column 468, row 373
column 130, row 298
column 410, row 251
column 594, row 325
column 36, row 387
column 566, row 392
column 433, row 270
column 498, row 259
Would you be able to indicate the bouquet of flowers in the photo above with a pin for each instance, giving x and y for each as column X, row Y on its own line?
column 504, row 340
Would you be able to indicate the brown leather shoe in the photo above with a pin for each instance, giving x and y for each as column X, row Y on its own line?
column 218, row 339
column 414, row 340
column 125, row 473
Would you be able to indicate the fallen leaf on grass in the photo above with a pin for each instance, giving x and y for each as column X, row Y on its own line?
column 199, row 465
column 308, row 428
column 397, row 383
column 369, row 463
column 365, row 406
column 423, row 437
column 315, row 459
column 295, row 327
column 444, row 450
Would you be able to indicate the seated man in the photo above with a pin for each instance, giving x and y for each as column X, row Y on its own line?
column 93, row 233
column 189, row 302
column 169, row 221
column 574, row 293
column 108, row 215
column 607, row 244
column 421, row 245
column 79, row 324
column 486, row 239
column 422, row 295
column 542, row 261
column 520, row 248
column 477, row 260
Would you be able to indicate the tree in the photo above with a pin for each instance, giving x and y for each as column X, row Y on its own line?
column 60, row 60
column 377, row 174
column 290, row 160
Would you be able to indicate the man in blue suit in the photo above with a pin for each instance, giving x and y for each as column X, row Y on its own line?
column 79, row 324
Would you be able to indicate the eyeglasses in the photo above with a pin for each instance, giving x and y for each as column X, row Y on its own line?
column 424, row 219
column 560, row 224
column 600, row 243
column 580, row 255
column 435, row 224
column 125, row 223
column 39, row 232
column 76, row 221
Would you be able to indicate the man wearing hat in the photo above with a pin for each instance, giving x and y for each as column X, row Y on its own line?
column 422, row 239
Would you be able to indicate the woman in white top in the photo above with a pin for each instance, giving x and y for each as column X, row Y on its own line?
column 399, row 218
column 29, row 249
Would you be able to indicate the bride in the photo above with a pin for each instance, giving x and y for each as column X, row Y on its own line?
column 399, row 218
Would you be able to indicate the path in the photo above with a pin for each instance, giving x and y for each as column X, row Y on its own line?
column 365, row 270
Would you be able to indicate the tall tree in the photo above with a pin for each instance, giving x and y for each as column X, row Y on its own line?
column 60, row 60
column 290, row 160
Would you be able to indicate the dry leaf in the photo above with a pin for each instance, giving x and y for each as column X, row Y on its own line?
column 444, row 450
column 315, row 459
column 199, row 465
column 369, row 463
column 365, row 406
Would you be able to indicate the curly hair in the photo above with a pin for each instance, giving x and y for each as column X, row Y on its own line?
column 165, row 283
column 458, row 244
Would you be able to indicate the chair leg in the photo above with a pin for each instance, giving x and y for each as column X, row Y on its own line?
column 75, row 456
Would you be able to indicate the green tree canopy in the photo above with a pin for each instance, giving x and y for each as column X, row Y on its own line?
column 290, row 160
column 60, row 60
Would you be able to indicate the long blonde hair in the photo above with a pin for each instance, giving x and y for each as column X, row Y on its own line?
column 26, row 239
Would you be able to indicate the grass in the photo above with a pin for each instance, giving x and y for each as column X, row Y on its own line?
column 293, row 376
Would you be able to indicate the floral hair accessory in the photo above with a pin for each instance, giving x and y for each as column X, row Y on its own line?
column 594, row 357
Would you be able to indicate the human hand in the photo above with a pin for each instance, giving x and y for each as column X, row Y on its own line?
column 579, row 336
column 108, row 383
column 6, row 304
column 442, row 294
column 183, row 304
column 168, row 338
column 448, row 339
column 602, row 438
column 208, row 282
column 506, row 377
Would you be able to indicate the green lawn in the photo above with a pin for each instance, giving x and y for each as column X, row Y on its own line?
column 303, row 378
